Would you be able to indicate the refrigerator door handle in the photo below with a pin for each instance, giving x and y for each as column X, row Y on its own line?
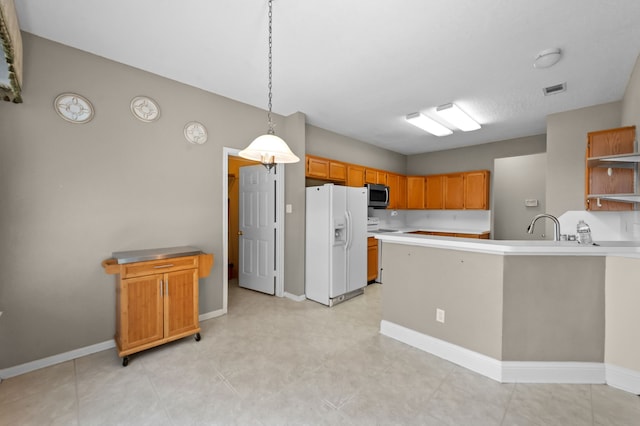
column 348, row 230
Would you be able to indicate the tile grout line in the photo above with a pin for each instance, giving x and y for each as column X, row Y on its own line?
column 75, row 381
column 593, row 417
column 155, row 391
column 506, row 410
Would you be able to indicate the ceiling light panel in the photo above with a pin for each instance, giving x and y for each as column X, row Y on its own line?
column 428, row 125
column 457, row 117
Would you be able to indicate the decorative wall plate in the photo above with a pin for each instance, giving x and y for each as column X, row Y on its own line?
column 145, row 109
column 73, row 108
column 195, row 132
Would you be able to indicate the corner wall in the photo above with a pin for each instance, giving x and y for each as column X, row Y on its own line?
column 74, row 193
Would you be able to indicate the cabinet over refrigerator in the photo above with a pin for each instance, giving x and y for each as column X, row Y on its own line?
column 335, row 243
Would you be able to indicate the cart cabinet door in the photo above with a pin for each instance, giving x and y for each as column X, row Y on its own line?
column 142, row 311
column 181, row 302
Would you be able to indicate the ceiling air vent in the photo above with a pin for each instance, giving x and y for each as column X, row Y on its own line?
column 552, row 90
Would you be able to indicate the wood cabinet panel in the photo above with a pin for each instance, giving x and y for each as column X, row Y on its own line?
column 181, row 302
column 323, row 168
column 434, row 192
column 317, row 168
column 337, row 171
column 454, row 191
column 476, row 190
column 141, row 307
column 402, row 192
column 610, row 180
column 397, row 191
column 370, row 176
column 372, row 259
column 415, row 192
column 355, row 175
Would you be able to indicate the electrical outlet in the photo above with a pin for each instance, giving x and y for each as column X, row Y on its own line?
column 440, row 315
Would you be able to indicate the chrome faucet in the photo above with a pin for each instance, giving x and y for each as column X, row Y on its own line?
column 556, row 225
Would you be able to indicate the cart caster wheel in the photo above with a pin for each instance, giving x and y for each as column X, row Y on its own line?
column 197, row 337
column 125, row 361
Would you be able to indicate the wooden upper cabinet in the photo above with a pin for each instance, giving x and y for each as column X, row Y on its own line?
column 434, row 192
column 476, row 190
column 454, row 191
column 415, row 192
column 323, row 168
column 355, row 175
column 401, row 199
column 611, row 142
column 616, row 179
column 397, row 191
column 375, row 176
column 337, row 171
column 317, row 167
column 370, row 176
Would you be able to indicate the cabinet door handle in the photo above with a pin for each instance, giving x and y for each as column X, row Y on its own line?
column 161, row 288
column 168, row 265
column 166, row 288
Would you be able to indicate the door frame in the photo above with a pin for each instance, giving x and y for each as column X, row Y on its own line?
column 280, row 188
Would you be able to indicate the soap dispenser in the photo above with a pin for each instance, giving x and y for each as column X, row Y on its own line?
column 584, row 233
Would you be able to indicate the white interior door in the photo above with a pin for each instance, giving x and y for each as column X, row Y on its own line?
column 257, row 228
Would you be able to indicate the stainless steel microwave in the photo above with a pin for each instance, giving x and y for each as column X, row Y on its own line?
column 377, row 195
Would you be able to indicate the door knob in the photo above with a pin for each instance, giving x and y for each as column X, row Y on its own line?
column 240, row 233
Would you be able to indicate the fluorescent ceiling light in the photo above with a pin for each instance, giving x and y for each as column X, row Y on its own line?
column 454, row 115
column 428, row 125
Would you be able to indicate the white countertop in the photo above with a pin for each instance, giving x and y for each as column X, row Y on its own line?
column 517, row 247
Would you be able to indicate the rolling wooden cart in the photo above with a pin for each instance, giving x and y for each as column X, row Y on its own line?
column 156, row 296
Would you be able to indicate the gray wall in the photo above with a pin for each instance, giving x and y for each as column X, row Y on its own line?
column 514, row 180
column 74, row 193
column 477, row 157
column 566, row 151
column 631, row 100
column 467, row 286
column 553, row 308
column 324, row 143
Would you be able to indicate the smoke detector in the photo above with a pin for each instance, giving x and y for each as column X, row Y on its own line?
column 547, row 58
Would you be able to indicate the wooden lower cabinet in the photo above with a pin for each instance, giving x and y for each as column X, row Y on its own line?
column 372, row 259
column 156, row 301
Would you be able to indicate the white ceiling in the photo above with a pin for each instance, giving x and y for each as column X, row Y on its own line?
column 357, row 67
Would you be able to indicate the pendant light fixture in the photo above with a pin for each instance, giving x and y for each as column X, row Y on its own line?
column 269, row 149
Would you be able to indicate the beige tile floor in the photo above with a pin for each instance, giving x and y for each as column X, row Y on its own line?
column 274, row 361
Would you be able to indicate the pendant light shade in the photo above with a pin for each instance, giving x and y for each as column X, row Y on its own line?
column 269, row 149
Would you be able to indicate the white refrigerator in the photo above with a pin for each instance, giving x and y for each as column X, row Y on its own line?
column 336, row 243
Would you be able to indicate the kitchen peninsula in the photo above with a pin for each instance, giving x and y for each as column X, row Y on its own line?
column 515, row 311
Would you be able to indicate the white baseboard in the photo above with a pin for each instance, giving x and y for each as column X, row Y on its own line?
column 55, row 359
column 553, row 372
column 76, row 353
column 474, row 361
column 294, row 297
column 501, row 371
column 623, row 378
column 212, row 314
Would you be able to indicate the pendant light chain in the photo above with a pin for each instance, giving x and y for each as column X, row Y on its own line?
column 271, row 125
